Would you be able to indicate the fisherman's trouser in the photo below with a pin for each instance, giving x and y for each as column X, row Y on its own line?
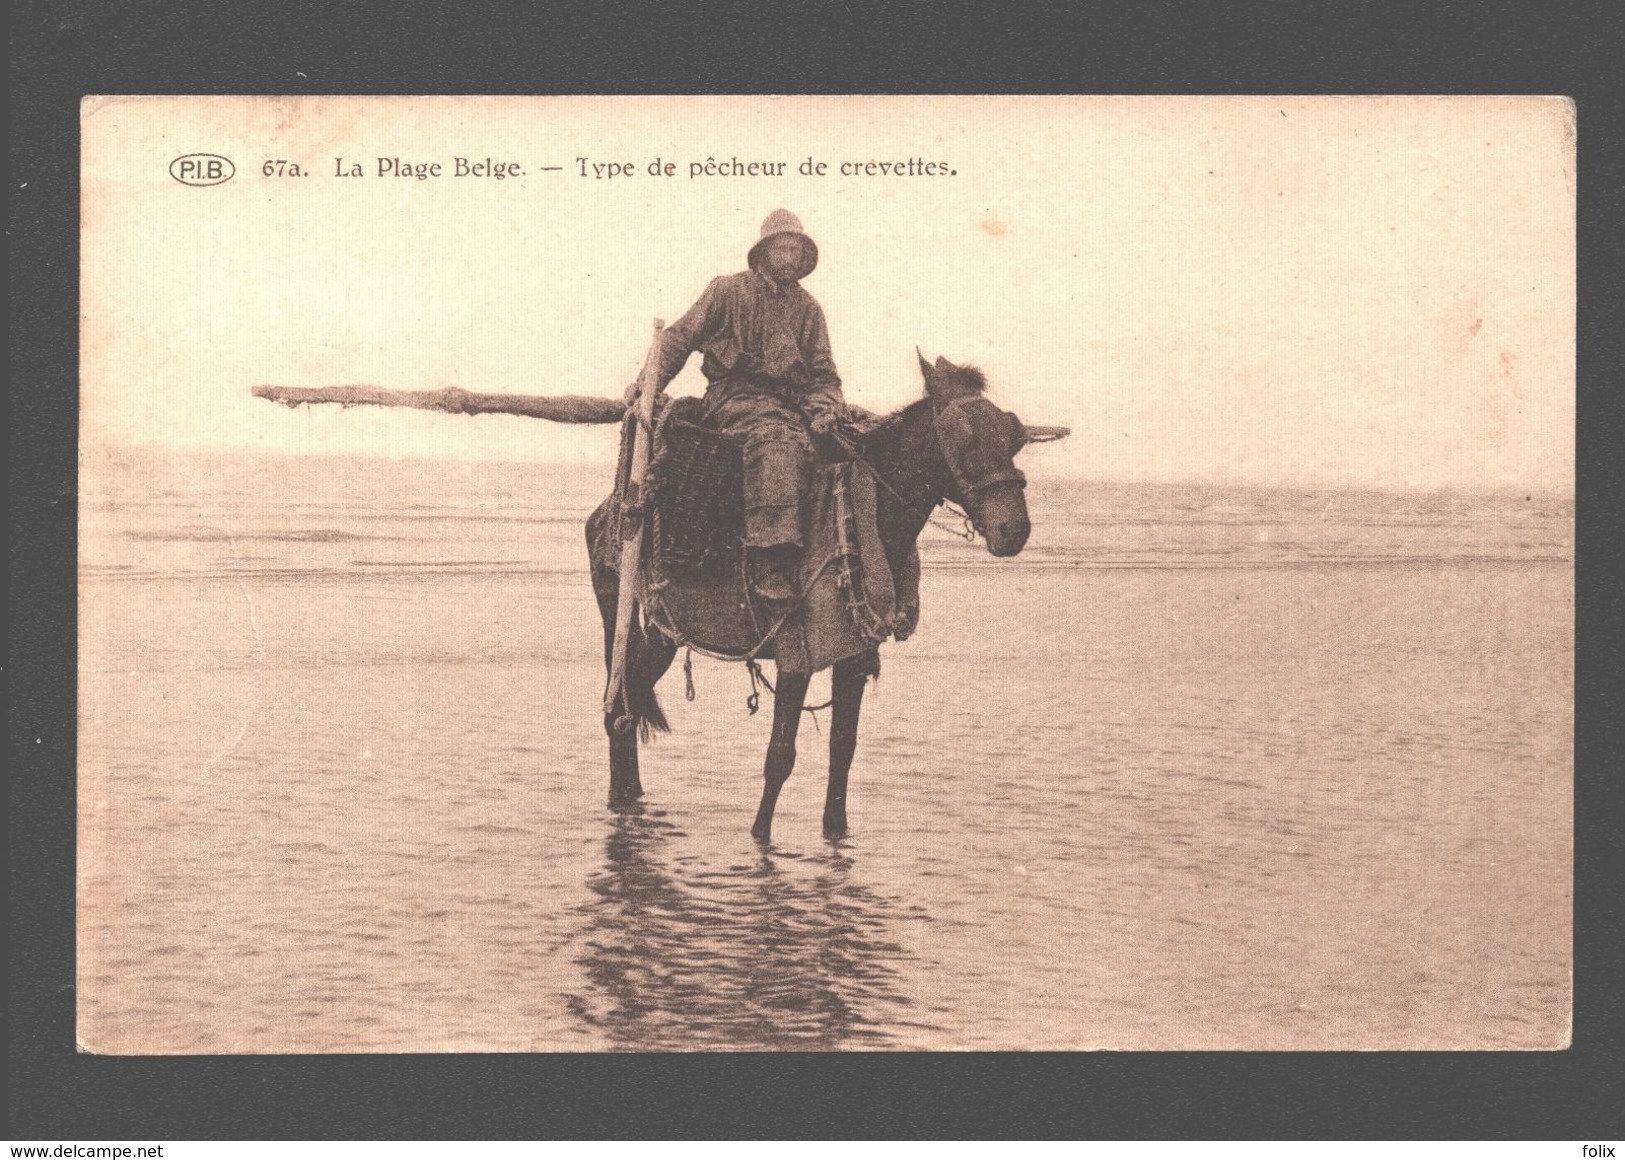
column 778, row 461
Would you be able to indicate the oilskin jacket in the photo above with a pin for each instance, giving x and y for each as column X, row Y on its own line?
column 758, row 338
column 769, row 373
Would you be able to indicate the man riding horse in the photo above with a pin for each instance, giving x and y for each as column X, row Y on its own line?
column 772, row 386
column 771, row 383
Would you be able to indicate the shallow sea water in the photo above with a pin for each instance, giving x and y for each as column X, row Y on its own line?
column 1201, row 769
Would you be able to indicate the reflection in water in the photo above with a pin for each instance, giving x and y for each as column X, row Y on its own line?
column 754, row 957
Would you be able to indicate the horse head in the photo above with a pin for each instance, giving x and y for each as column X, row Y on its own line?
column 980, row 443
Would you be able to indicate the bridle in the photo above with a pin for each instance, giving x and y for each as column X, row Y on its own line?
column 969, row 526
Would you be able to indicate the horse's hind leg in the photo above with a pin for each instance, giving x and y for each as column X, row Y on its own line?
column 788, row 699
column 846, row 683
column 646, row 662
column 625, row 784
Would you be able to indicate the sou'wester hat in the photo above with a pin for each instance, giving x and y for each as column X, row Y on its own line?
column 782, row 223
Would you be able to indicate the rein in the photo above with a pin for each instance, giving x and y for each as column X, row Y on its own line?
column 966, row 532
column 967, row 526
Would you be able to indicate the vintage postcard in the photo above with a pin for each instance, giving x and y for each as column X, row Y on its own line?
column 882, row 573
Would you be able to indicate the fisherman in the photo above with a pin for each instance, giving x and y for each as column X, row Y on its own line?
column 770, row 384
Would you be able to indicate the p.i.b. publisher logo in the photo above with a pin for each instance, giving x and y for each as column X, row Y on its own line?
column 202, row 169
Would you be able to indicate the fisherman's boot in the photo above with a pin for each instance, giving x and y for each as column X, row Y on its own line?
column 773, row 580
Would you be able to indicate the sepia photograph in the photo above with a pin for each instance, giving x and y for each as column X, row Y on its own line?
column 715, row 574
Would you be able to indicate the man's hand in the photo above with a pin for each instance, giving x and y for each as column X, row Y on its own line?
column 828, row 427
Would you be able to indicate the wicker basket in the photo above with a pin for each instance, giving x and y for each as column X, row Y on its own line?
column 696, row 487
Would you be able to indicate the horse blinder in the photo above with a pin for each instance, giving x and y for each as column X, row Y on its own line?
column 1018, row 433
column 968, row 456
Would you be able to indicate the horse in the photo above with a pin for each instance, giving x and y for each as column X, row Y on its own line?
column 953, row 443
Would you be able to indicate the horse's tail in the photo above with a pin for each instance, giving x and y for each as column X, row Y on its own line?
column 646, row 657
column 638, row 692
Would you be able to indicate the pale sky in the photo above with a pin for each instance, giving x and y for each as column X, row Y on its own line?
column 1283, row 291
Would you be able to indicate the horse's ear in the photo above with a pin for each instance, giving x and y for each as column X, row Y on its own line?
column 943, row 364
column 933, row 381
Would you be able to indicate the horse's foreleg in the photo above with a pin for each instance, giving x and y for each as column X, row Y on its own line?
column 788, row 699
column 847, row 683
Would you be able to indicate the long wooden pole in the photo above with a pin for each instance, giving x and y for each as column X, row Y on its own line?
column 455, row 401
column 641, row 422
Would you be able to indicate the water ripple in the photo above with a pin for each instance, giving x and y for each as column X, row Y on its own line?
column 759, row 956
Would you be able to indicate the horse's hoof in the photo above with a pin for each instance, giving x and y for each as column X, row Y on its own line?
column 834, row 831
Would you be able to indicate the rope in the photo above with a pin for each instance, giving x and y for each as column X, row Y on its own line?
column 754, row 701
column 756, row 674
column 869, row 623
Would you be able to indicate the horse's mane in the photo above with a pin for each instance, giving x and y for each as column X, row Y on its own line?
column 868, row 424
column 970, row 375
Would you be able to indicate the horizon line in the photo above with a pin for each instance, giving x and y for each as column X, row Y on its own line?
column 1566, row 490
